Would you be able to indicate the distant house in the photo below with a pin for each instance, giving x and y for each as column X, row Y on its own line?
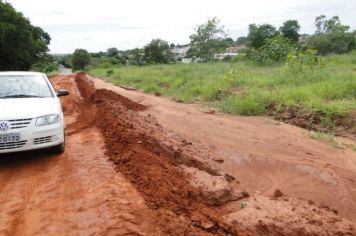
column 187, row 60
column 229, row 52
column 180, row 51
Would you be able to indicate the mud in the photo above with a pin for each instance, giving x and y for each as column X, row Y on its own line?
column 289, row 216
column 141, row 165
column 259, row 156
column 76, row 193
column 151, row 167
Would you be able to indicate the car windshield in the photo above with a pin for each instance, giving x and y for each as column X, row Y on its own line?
column 24, row 86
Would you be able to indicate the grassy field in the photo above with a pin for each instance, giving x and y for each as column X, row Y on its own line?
column 246, row 88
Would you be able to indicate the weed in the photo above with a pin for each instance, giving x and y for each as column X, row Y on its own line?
column 330, row 138
column 327, row 90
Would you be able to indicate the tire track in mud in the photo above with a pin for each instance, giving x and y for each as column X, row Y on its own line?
column 76, row 193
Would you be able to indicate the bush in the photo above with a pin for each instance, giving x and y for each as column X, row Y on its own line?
column 297, row 61
column 331, row 36
column 45, row 67
column 109, row 73
column 336, row 43
column 80, row 59
column 227, row 58
column 275, row 49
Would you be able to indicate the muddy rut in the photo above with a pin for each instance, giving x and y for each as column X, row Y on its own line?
column 124, row 184
column 133, row 169
column 77, row 193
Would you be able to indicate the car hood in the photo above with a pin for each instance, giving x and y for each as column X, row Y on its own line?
column 24, row 108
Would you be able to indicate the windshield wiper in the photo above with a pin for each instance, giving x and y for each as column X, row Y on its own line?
column 21, row 96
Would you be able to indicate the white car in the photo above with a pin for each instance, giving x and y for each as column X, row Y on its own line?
column 31, row 115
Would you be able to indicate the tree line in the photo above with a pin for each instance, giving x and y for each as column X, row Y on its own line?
column 264, row 42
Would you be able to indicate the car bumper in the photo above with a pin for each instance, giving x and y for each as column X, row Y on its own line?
column 33, row 137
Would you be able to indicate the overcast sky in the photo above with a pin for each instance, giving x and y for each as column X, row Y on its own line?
column 98, row 25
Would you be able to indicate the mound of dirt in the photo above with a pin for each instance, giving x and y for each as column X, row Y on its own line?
column 289, row 216
column 154, row 169
column 216, row 189
column 183, row 192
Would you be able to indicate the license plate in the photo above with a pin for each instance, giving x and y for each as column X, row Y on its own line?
column 9, row 138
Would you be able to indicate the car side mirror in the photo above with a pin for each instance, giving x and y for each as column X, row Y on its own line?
column 62, row 92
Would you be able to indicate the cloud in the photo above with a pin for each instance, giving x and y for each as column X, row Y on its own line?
column 58, row 13
column 98, row 27
column 129, row 24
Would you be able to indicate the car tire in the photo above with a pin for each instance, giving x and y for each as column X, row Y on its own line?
column 59, row 149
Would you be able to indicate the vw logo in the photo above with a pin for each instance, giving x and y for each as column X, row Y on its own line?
column 4, row 126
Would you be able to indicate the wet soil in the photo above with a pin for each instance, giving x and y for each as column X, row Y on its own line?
column 260, row 155
column 151, row 167
column 142, row 165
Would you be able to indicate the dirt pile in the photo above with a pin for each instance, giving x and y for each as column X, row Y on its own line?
column 151, row 167
column 181, row 198
column 281, row 215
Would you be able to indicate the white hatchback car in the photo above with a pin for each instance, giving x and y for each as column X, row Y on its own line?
column 31, row 115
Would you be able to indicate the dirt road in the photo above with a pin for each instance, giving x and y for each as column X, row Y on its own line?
column 137, row 164
column 77, row 193
column 263, row 154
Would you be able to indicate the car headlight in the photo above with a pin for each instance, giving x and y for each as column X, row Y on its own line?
column 47, row 120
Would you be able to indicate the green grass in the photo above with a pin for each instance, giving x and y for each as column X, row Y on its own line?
column 330, row 138
column 317, row 135
column 246, row 88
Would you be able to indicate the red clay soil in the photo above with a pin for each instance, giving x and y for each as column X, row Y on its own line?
column 262, row 155
column 137, row 145
column 180, row 208
column 125, row 173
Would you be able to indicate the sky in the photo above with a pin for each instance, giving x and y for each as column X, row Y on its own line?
column 98, row 25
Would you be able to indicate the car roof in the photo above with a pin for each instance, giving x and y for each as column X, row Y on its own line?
column 20, row 73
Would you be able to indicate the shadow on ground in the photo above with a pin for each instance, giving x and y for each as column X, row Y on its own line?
column 20, row 159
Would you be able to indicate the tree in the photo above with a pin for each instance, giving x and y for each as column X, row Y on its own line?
column 241, row 40
column 276, row 48
column 207, row 40
column 46, row 65
column 111, row 52
column 158, row 51
column 136, row 56
column 80, row 59
column 21, row 44
column 331, row 36
column 290, row 29
column 333, row 25
column 258, row 34
column 228, row 42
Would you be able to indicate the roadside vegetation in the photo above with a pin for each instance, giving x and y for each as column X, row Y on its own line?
column 23, row 46
column 307, row 80
column 248, row 88
column 332, row 139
